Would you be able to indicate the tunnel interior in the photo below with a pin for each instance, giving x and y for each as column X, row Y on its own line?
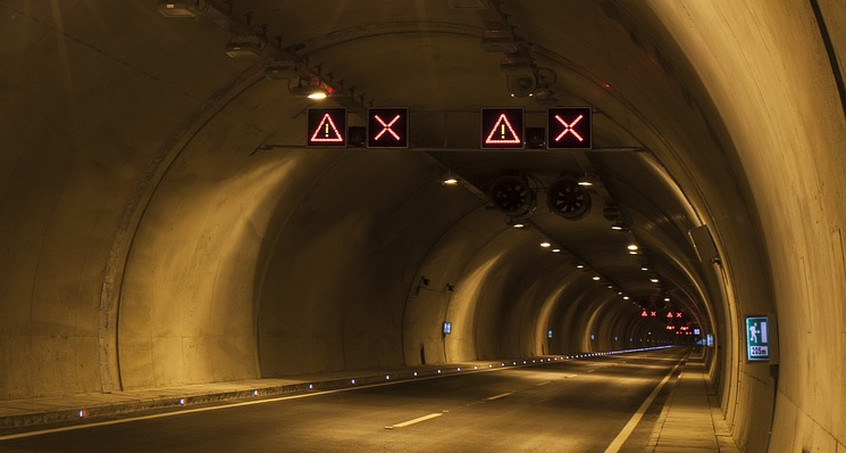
column 163, row 222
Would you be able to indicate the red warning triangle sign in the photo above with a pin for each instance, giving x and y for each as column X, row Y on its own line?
column 326, row 131
column 502, row 133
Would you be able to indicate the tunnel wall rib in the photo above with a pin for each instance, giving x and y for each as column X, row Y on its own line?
column 766, row 68
column 85, row 110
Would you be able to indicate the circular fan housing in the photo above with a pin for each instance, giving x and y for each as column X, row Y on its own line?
column 512, row 195
column 568, row 199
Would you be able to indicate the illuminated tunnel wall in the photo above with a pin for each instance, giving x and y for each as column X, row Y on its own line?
column 145, row 241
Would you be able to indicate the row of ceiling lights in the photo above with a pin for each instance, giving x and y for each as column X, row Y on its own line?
column 521, row 223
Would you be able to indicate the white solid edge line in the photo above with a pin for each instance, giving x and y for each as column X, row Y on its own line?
column 416, row 420
column 621, row 438
column 496, row 397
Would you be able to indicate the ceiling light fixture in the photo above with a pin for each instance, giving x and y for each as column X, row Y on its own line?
column 179, row 8
column 621, row 225
column 545, row 244
column 632, row 247
column 596, row 278
column 653, row 280
column 244, row 47
column 281, row 70
column 318, row 94
column 556, row 250
column 312, row 90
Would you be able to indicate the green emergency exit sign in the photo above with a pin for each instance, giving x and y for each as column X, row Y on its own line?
column 758, row 337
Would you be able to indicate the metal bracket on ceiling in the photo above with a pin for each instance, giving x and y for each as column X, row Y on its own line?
column 524, row 78
column 282, row 60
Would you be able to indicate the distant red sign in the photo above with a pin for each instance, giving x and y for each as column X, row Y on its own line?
column 387, row 128
column 502, row 128
column 569, row 127
column 327, row 127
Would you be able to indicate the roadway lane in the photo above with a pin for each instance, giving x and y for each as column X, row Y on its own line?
column 575, row 406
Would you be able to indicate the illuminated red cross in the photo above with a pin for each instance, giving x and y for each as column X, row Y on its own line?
column 653, row 314
column 568, row 127
column 678, row 314
column 386, row 127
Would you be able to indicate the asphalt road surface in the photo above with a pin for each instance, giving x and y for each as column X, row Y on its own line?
column 574, row 406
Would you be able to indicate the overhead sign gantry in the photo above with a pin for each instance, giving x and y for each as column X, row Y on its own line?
column 501, row 128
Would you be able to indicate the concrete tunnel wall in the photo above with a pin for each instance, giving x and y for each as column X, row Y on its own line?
column 62, row 213
column 777, row 92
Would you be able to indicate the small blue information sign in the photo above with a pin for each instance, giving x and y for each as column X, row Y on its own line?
column 757, row 339
column 447, row 328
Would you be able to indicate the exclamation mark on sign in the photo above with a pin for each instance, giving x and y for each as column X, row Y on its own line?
column 326, row 131
column 502, row 131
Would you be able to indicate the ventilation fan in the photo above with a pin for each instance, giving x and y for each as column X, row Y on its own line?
column 568, row 199
column 512, row 195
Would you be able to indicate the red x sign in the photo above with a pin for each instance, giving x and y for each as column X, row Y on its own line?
column 387, row 128
column 569, row 128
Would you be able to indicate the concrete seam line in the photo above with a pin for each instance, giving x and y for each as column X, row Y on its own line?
column 627, row 430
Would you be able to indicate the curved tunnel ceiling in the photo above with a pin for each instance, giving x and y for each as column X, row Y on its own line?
column 245, row 212
column 306, row 221
column 163, row 223
column 430, row 58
